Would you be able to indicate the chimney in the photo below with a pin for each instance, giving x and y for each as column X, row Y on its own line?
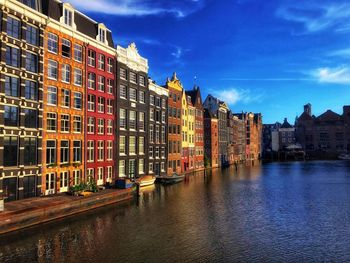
column 307, row 109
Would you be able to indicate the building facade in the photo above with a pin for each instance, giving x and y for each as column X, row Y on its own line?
column 158, row 128
column 239, row 139
column 211, row 139
column 185, row 140
column 21, row 98
column 174, row 124
column 132, row 113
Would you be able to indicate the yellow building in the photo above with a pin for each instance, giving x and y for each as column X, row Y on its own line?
column 191, row 119
column 184, row 134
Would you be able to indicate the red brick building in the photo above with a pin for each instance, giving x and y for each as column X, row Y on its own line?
column 211, row 138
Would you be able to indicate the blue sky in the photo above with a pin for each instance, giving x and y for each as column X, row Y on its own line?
column 263, row 56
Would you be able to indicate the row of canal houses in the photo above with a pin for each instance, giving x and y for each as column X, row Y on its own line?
column 73, row 107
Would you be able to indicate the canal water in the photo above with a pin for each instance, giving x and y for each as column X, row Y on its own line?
column 278, row 212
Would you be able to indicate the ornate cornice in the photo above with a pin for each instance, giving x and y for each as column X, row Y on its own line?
column 131, row 57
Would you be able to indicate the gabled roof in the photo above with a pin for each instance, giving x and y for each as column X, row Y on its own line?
column 305, row 117
column 329, row 116
column 286, row 125
column 209, row 114
column 196, row 97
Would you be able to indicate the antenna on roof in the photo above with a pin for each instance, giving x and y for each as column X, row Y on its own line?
column 195, row 80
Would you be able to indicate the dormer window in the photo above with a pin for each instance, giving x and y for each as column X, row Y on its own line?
column 68, row 17
column 102, row 35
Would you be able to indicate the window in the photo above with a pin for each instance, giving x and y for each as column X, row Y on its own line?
column 109, row 127
column 122, row 73
column 163, row 104
column 110, row 85
column 51, row 121
column 133, row 77
column 132, row 120
column 122, row 149
column 157, row 134
column 102, row 35
column 76, row 151
column 132, row 168
column 142, row 97
column 65, row 98
column 99, row 175
column 101, row 62
column 77, row 124
column 121, row 168
column 11, row 86
column 66, row 48
column 109, row 173
column 91, row 103
column 64, row 179
column 11, row 115
column 78, row 53
column 65, row 73
column 90, row 173
column 141, row 145
column 30, row 3
column 109, row 150
column 77, row 102
column 150, row 153
column 52, row 69
column 151, row 114
column 151, row 100
column 52, row 95
column 32, row 35
column 132, row 95
column 30, row 151
column 100, row 126
column 122, row 118
column 78, row 77
column 157, row 152
column 76, row 177
column 68, row 17
column 132, row 145
column 10, row 151
column 100, row 150
column 150, row 169
column 101, row 83
column 90, row 151
column 141, row 166
column 142, row 81
column 91, row 58
column 50, row 182
column 162, row 152
column 31, row 90
column 163, row 134
column 109, row 106
column 91, row 81
column 163, row 117
column 157, row 101
column 151, row 133
column 12, row 56
column 50, row 152
column 91, row 125
column 162, row 167
column 64, row 123
column 13, row 27
column 30, row 118
column 122, row 91
column 52, row 43
column 141, row 121
column 64, row 151
column 101, row 104
column 110, row 65
column 31, row 62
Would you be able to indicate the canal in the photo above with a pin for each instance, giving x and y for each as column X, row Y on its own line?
column 278, row 212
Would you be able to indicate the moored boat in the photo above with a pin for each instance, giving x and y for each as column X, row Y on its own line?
column 146, row 180
column 344, row 156
column 172, row 179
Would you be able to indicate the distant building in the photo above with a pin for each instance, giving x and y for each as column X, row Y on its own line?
column 271, row 138
column 325, row 136
column 239, row 139
column 286, row 135
column 211, row 138
column 230, row 138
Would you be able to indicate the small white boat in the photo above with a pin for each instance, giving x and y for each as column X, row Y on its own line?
column 172, row 179
column 146, row 180
column 344, row 156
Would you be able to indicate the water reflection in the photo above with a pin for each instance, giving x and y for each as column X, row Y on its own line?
column 273, row 212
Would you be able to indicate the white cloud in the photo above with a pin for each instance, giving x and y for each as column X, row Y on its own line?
column 317, row 17
column 234, row 95
column 341, row 53
column 138, row 7
column 333, row 75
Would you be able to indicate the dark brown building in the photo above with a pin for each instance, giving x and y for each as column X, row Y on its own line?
column 211, row 138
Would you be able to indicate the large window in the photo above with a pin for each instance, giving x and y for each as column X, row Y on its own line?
column 142, row 97
column 65, row 123
column 141, row 121
column 151, row 133
column 50, row 152
column 109, row 127
column 30, row 118
column 64, row 151
column 142, row 81
column 13, row 27
column 31, row 90
column 12, row 56
column 30, row 151
column 141, row 145
column 32, row 35
column 101, row 62
column 78, row 53
column 52, row 95
column 100, row 126
column 101, row 104
column 66, row 48
column 65, row 98
column 110, row 65
column 11, row 86
column 122, row 92
column 122, row 149
column 109, row 106
column 31, row 62
column 102, row 35
column 91, row 125
column 78, row 77
column 132, row 120
column 132, row 145
column 122, row 118
column 109, row 150
column 133, row 77
column 30, row 3
column 91, row 81
column 132, row 95
column 10, row 151
column 68, row 17
column 51, row 119
column 52, row 69
column 77, row 177
column 76, row 151
column 110, row 84
column 77, row 124
column 11, row 115
column 100, row 150
column 121, row 168
column 52, row 43
column 90, row 151
column 91, row 102
column 91, row 58
column 65, row 70
column 77, row 102
column 141, row 166
column 122, row 73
